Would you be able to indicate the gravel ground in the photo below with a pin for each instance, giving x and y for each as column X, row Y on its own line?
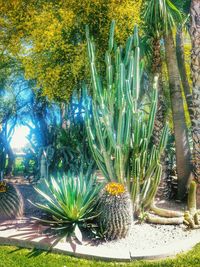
column 148, row 236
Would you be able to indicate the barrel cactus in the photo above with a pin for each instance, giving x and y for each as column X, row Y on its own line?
column 11, row 202
column 115, row 211
column 2, row 187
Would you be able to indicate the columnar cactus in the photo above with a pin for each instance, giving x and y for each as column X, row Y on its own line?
column 11, row 203
column 115, row 211
column 120, row 127
column 192, row 203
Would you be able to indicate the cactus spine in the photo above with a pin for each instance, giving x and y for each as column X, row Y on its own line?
column 115, row 208
column 119, row 130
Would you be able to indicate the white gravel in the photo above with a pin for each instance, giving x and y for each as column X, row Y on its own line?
column 150, row 236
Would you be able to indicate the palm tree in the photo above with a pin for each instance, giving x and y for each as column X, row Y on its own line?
column 162, row 16
column 183, row 155
column 195, row 67
column 157, row 70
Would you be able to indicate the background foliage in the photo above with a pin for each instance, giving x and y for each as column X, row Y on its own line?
column 48, row 37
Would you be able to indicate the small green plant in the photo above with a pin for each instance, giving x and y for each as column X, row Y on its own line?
column 70, row 202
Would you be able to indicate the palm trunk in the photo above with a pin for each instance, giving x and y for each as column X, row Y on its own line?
column 6, row 150
column 161, row 111
column 157, row 70
column 182, row 68
column 63, row 112
column 179, row 122
column 11, row 161
column 195, row 70
column 2, row 157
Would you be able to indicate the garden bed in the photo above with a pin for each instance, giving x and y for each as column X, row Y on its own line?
column 145, row 241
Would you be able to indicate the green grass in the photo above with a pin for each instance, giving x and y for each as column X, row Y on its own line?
column 19, row 257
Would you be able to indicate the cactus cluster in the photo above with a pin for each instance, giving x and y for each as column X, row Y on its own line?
column 115, row 211
column 192, row 215
column 11, row 203
column 120, row 127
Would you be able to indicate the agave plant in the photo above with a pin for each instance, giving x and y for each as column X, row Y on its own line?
column 70, row 202
column 120, row 127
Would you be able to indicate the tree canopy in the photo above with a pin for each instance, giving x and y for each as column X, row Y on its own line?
column 48, row 37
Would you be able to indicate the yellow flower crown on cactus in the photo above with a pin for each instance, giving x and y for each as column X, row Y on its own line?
column 115, row 189
column 2, row 187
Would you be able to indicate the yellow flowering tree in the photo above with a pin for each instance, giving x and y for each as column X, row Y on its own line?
column 48, row 37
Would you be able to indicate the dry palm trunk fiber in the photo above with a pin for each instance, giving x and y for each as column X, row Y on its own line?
column 195, row 71
column 161, row 111
column 198, row 196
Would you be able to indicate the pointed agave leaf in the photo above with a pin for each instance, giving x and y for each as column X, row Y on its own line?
column 78, row 234
column 50, row 210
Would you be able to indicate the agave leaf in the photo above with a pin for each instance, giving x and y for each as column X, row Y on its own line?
column 78, row 234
